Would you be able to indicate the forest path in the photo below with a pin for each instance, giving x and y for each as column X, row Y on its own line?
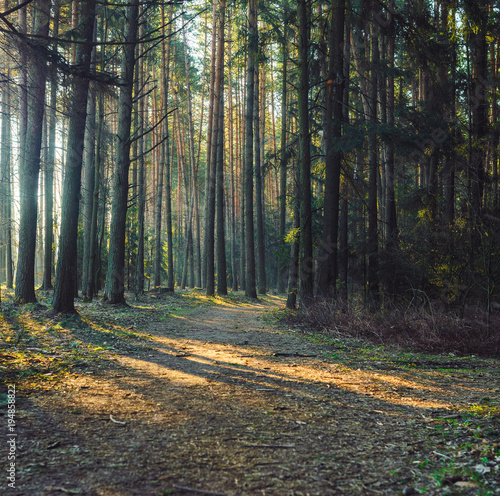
column 219, row 400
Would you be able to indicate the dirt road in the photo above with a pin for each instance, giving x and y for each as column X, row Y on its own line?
column 219, row 400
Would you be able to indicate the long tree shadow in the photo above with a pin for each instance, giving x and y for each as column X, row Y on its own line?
column 173, row 412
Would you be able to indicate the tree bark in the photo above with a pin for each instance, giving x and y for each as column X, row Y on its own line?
column 392, row 225
column 215, row 129
column 65, row 280
column 30, row 161
column 221, row 236
column 306, row 262
column 208, row 178
column 89, row 180
column 49, row 168
column 334, row 95
column 168, row 180
column 479, row 104
column 5, row 188
column 293, row 274
column 373, row 276
column 232, row 199
column 284, row 154
column 259, row 210
column 115, row 277
column 250, row 288
column 94, row 245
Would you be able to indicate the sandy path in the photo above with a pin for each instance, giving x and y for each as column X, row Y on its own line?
column 205, row 403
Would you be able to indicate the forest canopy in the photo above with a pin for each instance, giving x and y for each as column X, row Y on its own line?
column 343, row 149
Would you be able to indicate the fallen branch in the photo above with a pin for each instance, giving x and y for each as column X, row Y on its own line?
column 198, row 491
column 45, row 352
column 277, row 446
column 116, row 421
column 446, row 457
column 294, row 355
column 300, row 355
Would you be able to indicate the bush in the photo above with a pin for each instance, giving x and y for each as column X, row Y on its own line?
column 430, row 327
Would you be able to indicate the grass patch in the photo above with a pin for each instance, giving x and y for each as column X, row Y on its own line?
column 39, row 348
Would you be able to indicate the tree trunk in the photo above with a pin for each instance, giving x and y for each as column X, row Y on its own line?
column 67, row 257
column 479, row 104
column 373, row 277
column 306, row 262
column 215, row 129
column 284, row 156
column 221, row 236
column 141, row 193
column 89, row 178
column 334, row 95
column 165, row 80
column 250, row 289
column 5, row 188
column 242, row 171
column 49, row 167
column 232, row 199
column 115, row 288
column 168, row 180
column 208, row 178
column 30, row 161
column 94, row 245
column 158, row 216
column 293, row 274
column 259, row 211
column 392, row 226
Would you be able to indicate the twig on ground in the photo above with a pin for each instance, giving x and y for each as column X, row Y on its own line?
column 282, row 446
column 302, row 355
column 198, row 491
column 116, row 421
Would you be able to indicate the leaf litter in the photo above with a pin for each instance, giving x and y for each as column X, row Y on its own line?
column 177, row 396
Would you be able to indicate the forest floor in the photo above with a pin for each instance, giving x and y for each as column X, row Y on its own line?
column 180, row 394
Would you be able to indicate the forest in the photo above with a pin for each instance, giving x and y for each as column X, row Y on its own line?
column 250, row 247
column 343, row 149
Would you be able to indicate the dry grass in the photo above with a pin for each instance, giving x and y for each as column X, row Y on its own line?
column 428, row 328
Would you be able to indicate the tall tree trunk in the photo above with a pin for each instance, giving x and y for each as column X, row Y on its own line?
column 115, row 277
column 5, row 188
column 94, row 258
column 306, row 262
column 158, row 250
column 293, row 274
column 479, row 13
column 166, row 145
column 165, row 80
column 215, row 129
column 250, row 289
column 210, row 144
column 232, row 199
column 221, row 236
column 242, row 172
column 193, row 163
column 334, row 95
column 89, row 178
column 49, row 167
column 259, row 210
column 30, row 162
column 141, row 186
column 284, row 154
column 392, row 226
column 373, row 277
column 23, row 82
column 65, row 279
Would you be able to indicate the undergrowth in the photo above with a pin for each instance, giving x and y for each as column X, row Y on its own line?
column 426, row 328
